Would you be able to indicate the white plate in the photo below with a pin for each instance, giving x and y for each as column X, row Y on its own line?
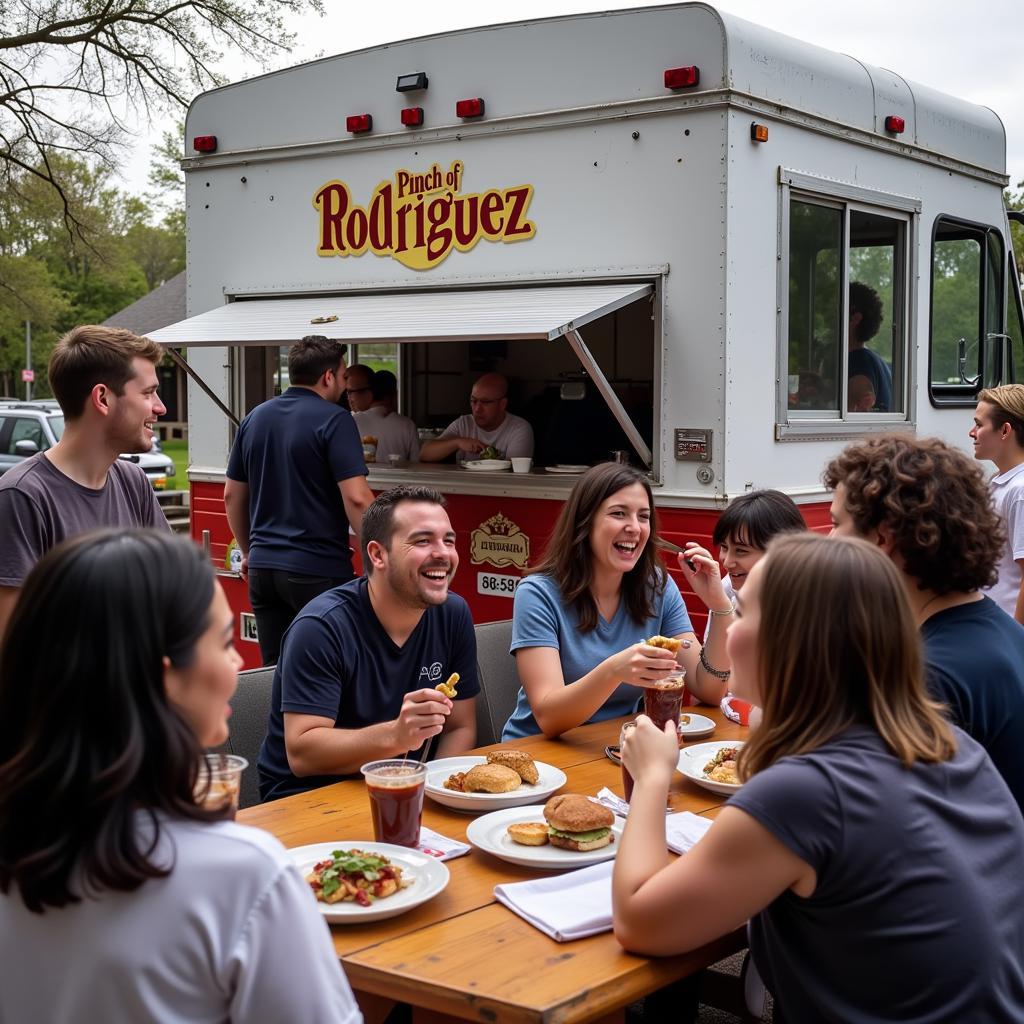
column 692, row 760
column 490, row 834
column 426, row 875
column 487, row 465
column 550, row 780
column 699, row 725
column 564, row 467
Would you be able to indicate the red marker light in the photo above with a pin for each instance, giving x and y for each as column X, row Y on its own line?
column 205, row 143
column 358, row 123
column 682, row 78
column 412, row 117
column 470, row 108
column 895, row 124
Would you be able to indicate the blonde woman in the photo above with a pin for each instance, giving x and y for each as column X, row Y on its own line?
column 874, row 846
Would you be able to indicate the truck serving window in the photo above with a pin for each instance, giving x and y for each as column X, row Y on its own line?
column 966, row 351
column 846, row 327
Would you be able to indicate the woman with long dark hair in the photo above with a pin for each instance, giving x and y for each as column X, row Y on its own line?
column 122, row 898
column 581, row 618
column 874, row 846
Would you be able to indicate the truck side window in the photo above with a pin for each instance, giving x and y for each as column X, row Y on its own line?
column 847, row 299
column 1014, row 323
column 967, row 311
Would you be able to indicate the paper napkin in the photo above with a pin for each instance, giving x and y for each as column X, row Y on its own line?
column 615, row 804
column 684, row 829
column 565, row 907
column 439, row 846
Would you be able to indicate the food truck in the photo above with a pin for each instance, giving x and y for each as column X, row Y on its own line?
column 648, row 220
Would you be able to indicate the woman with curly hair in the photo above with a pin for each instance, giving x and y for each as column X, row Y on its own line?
column 927, row 506
column 873, row 846
column 579, row 621
column 122, row 897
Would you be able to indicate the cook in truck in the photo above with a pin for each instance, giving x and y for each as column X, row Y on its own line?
column 488, row 425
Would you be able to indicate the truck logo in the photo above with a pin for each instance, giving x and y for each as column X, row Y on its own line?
column 418, row 219
column 499, row 542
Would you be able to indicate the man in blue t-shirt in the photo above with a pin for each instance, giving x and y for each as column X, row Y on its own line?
column 869, row 373
column 927, row 506
column 359, row 665
column 295, row 481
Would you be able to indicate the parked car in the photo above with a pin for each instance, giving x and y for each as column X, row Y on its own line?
column 30, row 427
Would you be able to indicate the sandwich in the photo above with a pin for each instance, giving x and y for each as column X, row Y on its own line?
column 666, row 643
column 576, row 823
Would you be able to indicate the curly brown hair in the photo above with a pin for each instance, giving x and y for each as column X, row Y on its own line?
column 933, row 501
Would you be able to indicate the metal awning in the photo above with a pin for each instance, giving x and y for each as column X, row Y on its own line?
column 499, row 314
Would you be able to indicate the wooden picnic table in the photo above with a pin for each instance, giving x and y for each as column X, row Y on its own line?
column 462, row 955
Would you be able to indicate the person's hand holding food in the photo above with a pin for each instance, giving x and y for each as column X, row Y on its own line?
column 473, row 445
column 650, row 754
column 640, row 664
column 423, row 715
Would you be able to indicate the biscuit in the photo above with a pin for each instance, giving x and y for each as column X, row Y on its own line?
column 491, row 778
column 667, row 643
column 529, row 833
column 518, row 760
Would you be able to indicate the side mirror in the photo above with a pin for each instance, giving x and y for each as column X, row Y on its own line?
column 25, row 448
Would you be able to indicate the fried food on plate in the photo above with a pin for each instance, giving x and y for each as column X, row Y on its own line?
column 518, row 760
column 491, row 778
column 576, row 823
column 529, row 833
column 722, row 767
column 666, row 643
column 456, row 782
column 355, row 876
column 448, row 686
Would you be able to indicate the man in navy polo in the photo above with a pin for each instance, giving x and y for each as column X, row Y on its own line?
column 296, row 479
column 359, row 665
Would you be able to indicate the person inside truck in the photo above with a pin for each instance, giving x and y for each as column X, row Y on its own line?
column 489, row 427
column 866, row 317
column 106, row 382
column 873, row 847
column 361, row 664
column 358, row 387
column 578, row 617
column 395, row 434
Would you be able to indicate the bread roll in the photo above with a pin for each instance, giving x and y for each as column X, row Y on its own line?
column 491, row 778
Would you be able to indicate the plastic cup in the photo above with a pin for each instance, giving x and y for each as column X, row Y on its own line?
column 395, row 788
column 663, row 699
column 522, row 465
column 627, row 779
column 225, row 774
column 394, row 459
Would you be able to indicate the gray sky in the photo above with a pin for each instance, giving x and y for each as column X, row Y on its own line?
column 975, row 51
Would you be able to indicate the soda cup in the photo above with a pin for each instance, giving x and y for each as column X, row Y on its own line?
column 663, row 699
column 396, row 788
column 627, row 779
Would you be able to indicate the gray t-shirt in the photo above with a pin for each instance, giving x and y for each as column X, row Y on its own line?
column 513, row 439
column 40, row 507
column 916, row 916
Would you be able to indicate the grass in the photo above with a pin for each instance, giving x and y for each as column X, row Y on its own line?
column 177, row 450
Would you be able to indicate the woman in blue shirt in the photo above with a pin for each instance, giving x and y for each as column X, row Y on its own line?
column 579, row 622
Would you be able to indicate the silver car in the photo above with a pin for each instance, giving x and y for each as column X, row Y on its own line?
column 30, row 427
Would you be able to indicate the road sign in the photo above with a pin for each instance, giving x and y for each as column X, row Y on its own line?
column 28, row 376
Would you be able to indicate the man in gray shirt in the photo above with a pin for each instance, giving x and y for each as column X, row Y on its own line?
column 106, row 383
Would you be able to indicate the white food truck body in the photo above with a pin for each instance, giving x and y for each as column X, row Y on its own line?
column 609, row 208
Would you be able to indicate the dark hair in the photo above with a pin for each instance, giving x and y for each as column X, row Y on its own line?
column 1007, row 406
column 836, row 645
column 757, row 516
column 932, row 500
column 88, row 738
column 568, row 559
column 311, row 357
column 364, row 370
column 865, row 300
column 385, row 384
column 89, row 355
column 379, row 518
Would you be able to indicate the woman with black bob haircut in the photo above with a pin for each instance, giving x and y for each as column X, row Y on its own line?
column 121, row 897
column 581, row 618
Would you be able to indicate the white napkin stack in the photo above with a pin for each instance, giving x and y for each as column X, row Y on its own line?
column 565, row 907
column 684, row 829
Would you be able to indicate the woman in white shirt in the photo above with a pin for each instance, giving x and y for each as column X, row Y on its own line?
column 121, row 897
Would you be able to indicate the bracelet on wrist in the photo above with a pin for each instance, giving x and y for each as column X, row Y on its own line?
column 724, row 611
column 718, row 673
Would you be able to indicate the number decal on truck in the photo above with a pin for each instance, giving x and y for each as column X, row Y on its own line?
column 496, row 584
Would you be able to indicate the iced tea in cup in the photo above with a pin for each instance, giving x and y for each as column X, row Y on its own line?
column 663, row 699
column 627, row 779
column 396, row 799
column 224, row 772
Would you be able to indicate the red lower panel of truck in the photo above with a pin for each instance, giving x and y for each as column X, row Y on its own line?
column 496, row 539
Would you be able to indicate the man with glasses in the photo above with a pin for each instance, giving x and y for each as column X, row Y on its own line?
column 295, row 481
column 359, row 387
column 489, row 425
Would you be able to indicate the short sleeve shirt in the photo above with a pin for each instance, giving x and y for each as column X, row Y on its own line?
column 338, row 662
column 1008, row 498
column 869, row 363
column 513, row 439
column 396, row 435
column 292, row 452
column 40, row 507
column 915, row 914
column 540, row 618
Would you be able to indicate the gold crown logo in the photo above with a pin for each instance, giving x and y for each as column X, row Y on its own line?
column 499, row 526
